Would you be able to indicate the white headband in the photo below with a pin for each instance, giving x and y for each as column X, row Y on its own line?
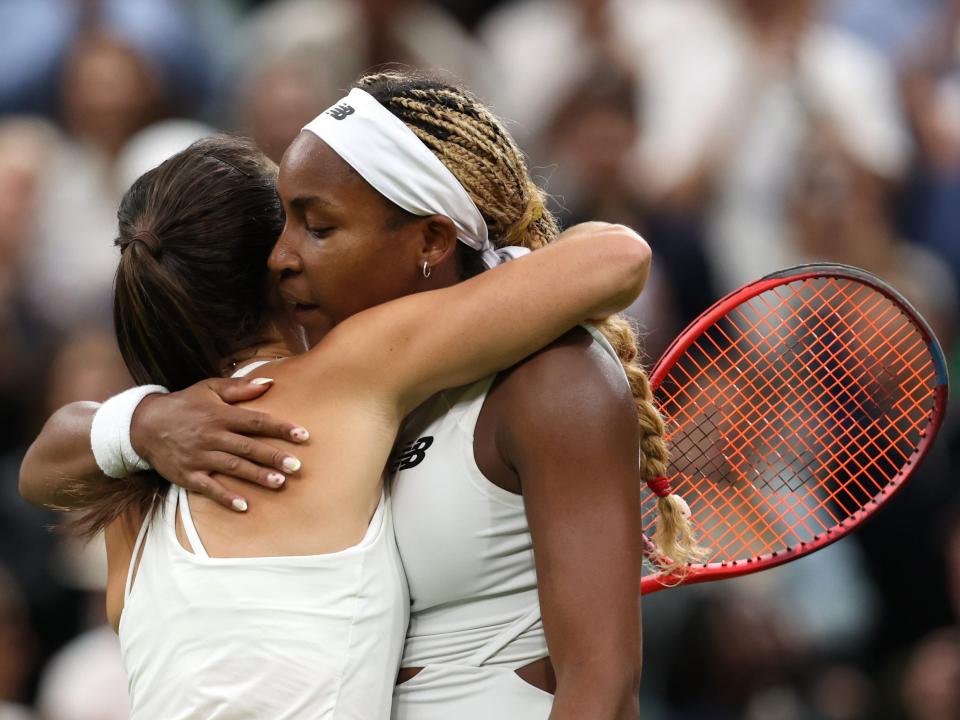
column 389, row 156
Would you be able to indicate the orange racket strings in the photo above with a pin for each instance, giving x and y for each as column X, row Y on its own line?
column 792, row 413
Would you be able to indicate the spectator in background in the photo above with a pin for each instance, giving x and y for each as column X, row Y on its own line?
column 24, row 338
column 154, row 144
column 790, row 70
column 127, row 64
column 932, row 93
column 85, row 679
column 541, row 49
column 109, row 93
column 842, row 211
column 17, row 650
column 36, row 36
column 931, row 683
column 729, row 87
column 679, row 51
column 735, row 653
column 87, row 366
column 591, row 138
column 343, row 38
column 930, row 688
column 889, row 25
column 280, row 94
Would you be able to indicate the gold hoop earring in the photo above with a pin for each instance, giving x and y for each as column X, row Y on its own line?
column 426, row 269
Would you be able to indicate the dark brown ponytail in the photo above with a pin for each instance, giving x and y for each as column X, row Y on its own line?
column 191, row 286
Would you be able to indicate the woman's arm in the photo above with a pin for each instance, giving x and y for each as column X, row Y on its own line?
column 581, row 487
column 429, row 341
column 185, row 436
column 60, row 459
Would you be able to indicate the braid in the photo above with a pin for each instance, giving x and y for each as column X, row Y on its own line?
column 480, row 153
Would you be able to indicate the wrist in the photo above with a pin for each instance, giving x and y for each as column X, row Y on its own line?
column 141, row 425
column 110, row 432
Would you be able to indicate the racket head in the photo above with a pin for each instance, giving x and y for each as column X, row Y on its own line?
column 795, row 407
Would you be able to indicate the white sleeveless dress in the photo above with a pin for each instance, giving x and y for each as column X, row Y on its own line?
column 468, row 555
column 299, row 637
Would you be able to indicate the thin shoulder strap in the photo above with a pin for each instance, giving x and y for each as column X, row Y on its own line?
column 193, row 537
column 135, row 557
column 247, row 369
column 474, row 396
column 601, row 340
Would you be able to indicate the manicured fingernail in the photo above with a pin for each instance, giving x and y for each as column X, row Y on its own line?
column 261, row 381
column 239, row 504
column 276, row 479
column 300, row 434
column 291, row 464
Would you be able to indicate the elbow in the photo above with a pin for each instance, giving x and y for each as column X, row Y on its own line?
column 26, row 487
column 632, row 260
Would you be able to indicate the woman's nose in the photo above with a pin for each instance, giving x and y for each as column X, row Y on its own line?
column 284, row 258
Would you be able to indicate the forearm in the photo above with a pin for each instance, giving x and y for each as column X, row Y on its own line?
column 496, row 319
column 60, row 464
column 596, row 693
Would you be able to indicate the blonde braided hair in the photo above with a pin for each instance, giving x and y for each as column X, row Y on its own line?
column 476, row 148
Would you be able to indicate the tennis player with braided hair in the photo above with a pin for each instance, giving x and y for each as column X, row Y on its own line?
column 516, row 498
column 513, row 495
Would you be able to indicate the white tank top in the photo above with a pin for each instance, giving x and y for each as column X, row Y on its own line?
column 315, row 636
column 468, row 555
column 465, row 543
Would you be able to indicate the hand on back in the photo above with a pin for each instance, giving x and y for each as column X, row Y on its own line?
column 190, row 436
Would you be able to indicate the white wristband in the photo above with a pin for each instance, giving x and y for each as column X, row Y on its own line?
column 110, row 432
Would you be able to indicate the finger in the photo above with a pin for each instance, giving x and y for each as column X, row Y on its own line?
column 237, row 467
column 251, row 422
column 235, row 390
column 205, row 485
column 257, row 452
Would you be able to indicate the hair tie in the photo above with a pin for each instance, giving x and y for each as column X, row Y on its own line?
column 150, row 241
column 660, row 486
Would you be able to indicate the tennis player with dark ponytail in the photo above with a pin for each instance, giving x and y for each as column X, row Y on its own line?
column 515, row 499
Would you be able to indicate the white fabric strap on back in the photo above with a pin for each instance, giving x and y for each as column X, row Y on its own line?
column 135, row 557
column 389, row 156
column 110, row 432
column 193, row 537
column 247, row 369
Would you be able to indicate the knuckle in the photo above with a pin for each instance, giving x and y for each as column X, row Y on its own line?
column 257, row 422
column 244, row 447
column 232, row 463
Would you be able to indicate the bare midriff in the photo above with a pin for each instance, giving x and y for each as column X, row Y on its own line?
column 539, row 673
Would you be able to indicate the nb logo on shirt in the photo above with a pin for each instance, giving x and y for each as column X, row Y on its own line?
column 412, row 455
column 339, row 112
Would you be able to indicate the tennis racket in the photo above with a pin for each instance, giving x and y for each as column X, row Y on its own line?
column 795, row 408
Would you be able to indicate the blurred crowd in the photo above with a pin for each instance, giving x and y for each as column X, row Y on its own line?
column 739, row 136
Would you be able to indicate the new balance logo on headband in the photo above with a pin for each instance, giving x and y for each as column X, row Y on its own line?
column 412, row 455
column 339, row 112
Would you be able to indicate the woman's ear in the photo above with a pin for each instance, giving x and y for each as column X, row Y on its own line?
column 439, row 239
